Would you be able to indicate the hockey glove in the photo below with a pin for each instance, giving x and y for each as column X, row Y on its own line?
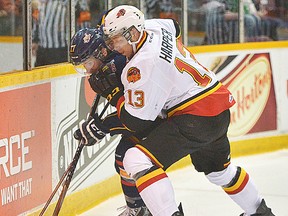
column 92, row 131
column 105, row 83
column 115, row 126
column 112, row 95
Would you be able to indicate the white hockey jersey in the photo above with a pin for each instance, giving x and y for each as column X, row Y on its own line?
column 163, row 78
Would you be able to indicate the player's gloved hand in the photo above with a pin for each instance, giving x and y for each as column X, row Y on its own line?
column 105, row 83
column 115, row 126
column 113, row 94
column 92, row 131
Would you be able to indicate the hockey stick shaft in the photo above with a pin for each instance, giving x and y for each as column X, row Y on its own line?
column 71, row 165
column 75, row 161
column 55, row 190
column 68, row 179
column 103, row 111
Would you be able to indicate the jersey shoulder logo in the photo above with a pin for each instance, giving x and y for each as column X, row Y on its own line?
column 133, row 74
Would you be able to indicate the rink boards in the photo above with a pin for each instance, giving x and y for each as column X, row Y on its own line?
column 42, row 108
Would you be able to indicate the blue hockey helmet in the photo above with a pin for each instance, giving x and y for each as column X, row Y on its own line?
column 89, row 42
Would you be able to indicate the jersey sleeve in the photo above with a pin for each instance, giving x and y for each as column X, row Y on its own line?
column 133, row 124
column 146, row 97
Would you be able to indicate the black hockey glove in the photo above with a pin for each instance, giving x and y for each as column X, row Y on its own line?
column 115, row 126
column 113, row 94
column 92, row 131
column 105, row 83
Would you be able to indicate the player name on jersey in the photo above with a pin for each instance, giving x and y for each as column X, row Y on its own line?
column 166, row 45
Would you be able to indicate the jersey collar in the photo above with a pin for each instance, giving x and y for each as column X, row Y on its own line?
column 142, row 41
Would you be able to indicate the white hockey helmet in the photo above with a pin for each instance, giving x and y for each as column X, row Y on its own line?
column 121, row 19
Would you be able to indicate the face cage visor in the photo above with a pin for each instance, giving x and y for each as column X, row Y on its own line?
column 89, row 66
column 102, row 53
column 92, row 63
column 116, row 41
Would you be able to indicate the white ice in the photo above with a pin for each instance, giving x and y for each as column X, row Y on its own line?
column 201, row 198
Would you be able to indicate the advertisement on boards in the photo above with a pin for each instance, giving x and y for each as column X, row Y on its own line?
column 25, row 148
column 67, row 122
column 249, row 78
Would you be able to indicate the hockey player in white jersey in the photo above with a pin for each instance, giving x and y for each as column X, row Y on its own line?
column 162, row 78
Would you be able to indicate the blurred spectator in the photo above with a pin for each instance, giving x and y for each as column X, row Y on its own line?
column 252, row 21
column 269, row 24
column 10, row 17
column 6, row 7
column 51, row 30
column 160, row 9
column 96, row 8
column 222, row 24
column 216, row 28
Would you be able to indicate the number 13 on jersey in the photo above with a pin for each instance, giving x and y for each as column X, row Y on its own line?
column 136, row 98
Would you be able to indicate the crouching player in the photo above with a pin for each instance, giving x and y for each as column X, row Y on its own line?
column 90, row 56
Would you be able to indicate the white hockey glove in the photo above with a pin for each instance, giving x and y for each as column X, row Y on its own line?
column 92, row 131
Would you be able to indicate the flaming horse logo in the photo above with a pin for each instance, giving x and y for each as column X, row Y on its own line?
column 133, row 74
column 121, row 12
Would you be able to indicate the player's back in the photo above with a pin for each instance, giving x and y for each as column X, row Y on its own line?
column 167, row 68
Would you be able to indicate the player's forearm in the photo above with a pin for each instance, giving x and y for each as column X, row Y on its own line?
column 131, row 122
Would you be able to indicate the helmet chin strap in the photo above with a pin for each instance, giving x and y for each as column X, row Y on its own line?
column 133, row 44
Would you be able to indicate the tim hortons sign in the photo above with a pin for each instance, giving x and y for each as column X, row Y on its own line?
column 251, row 84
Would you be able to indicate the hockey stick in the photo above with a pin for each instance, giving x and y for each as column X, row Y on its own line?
column 74, row 163
column 71, row 168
